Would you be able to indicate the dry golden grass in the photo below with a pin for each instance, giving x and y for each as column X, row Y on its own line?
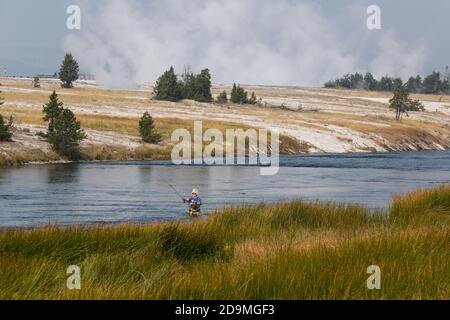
column 290, row 250
column 347, row 109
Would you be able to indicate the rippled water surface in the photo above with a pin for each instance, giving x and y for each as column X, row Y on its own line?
column 135, row 191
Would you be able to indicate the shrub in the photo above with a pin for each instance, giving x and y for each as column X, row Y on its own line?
column 222, row 97
column 36, row 83
column 147, row 129
column 253, row 99
column 5, row 129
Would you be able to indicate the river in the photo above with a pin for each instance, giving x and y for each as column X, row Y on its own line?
column 85, row 193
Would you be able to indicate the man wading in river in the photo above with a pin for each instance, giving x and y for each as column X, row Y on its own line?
column 195, row 202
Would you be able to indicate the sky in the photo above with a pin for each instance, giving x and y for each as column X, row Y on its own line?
column 287, row 42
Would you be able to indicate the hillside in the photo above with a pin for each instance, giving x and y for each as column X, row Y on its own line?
column 310, row 120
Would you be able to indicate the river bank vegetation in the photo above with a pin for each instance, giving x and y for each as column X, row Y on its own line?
column 291, row 250
column 313, row 120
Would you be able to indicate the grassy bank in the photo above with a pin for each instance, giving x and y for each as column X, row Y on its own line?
column 125, row 131
column 293, row 250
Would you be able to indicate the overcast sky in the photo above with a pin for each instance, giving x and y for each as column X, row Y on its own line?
column 248, row 41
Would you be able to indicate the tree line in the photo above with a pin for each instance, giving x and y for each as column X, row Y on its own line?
column 434, row 83
column 197, row 87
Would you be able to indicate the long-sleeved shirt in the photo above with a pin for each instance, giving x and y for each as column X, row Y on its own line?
column 195, row 203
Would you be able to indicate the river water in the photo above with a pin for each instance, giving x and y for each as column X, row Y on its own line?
column 86, row 193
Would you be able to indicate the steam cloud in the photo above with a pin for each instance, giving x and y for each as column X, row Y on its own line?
column 251, row 42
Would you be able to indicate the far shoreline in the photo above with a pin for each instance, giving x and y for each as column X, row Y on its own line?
column 169, row 163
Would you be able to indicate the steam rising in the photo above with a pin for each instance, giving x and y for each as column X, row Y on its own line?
column 251, row 42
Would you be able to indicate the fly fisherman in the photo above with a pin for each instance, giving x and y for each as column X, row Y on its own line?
column 194, row 203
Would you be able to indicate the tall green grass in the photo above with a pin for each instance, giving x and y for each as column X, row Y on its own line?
column 292, row 250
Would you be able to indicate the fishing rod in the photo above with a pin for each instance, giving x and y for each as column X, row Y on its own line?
column 171, row 186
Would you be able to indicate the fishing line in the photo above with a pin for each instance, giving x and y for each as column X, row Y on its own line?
column 171, row 186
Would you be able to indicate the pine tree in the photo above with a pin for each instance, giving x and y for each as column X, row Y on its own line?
column 51, row 110
column 432, row 83
column 147, row 129
column 238, row 95
column 234, row 97
column 36, row 83
column 68, row 72
column 203, row 86
column 222, row 97
column 253, row 99
column 5, row 129
column 189, row 83
column 414, row 84
column 64, row 131
column 168, row 87
column 370, row 83
column 396, row 83
column 385, row 84
column 197, row 87
column 401, row 103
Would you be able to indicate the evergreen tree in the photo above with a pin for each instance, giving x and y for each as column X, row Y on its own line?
column 253, row 99
column 242, row 94
column 330, row 84
column 222, row 97
column 202, row 87
column 432, row 83
column 414, row 84
column 344, row 82
column 64, row 131
column 51, row 110
column 189, row 83
column 445, row 86
column 168, row 87
column 370, row 83
column 385, row 84
column 5, row 129
column 238, row 95
column 36, row 83
column 68, row 72
column 356, row 81
column 66, row 135
column 233, row 96
column 147, row 129
column 397, row 83
column 401, row 103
